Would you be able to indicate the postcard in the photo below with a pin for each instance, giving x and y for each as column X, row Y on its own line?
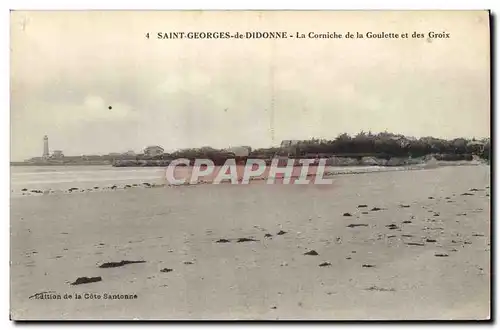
column 250, row 165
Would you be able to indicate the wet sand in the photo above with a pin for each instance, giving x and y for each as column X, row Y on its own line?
column 213, row 252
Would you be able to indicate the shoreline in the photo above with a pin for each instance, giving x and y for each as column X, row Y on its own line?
column 159, row 182
column 418, row 240
column 361, row 160
column 58, row 164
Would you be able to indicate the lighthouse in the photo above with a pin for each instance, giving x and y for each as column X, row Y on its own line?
column 45, row 147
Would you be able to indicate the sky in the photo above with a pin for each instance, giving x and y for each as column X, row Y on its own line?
column 68, row 68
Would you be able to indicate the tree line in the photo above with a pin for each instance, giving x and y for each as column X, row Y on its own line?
column 380, row 145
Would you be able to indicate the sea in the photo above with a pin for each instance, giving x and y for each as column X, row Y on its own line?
column 83, row 177
column 53, row 179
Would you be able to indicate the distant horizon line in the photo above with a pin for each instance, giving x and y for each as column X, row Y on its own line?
column 268, row 147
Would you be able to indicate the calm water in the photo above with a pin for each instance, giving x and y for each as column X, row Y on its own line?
column 86, row 177
column 64, row 177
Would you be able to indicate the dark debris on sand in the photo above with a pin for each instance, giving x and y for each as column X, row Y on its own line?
column 281, row 232
column 166, row 270
column 368, row 266
column 311, row 253
column 415, row 244
column 120, row 264
column 347, row 214
column 268, row 235
column 84, row 280
column 40, row 294
column 467, row 194
column 362, row 205
column 376, row 209
column 440, row 254
column 325, row 264
column 352, row 225
column 392, row 226
column 245, row 239
column 376, row 288
column 223, row 240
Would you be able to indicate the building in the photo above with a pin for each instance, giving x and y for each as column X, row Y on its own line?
column 289, row 147
column 57, row 154
column 289, row 143
column 401, row 140
column 477, row 146
column 153, row 151
column 242, row 151
column 46, row 154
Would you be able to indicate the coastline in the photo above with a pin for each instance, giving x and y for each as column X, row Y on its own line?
column 155, row 177
column 59, row 164
column 332, row 160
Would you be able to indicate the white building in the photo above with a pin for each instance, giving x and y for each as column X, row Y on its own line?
column 239, row 151
column 46, row 147
column 57, row 154
column 153, row 151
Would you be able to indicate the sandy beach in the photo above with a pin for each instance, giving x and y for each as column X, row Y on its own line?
column 389, row 245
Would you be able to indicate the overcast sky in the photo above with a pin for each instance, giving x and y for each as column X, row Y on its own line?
column 67, row 68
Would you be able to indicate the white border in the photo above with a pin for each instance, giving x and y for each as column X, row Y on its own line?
column 200, row 4
column 256, row 4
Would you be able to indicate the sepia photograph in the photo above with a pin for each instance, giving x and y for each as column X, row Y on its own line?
column 250, row 165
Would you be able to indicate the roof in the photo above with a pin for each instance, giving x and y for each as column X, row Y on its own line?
column 149, row 147
column 471, row 143
column 239, row 151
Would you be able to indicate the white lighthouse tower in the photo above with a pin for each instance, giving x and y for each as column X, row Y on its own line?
column 45, row 147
